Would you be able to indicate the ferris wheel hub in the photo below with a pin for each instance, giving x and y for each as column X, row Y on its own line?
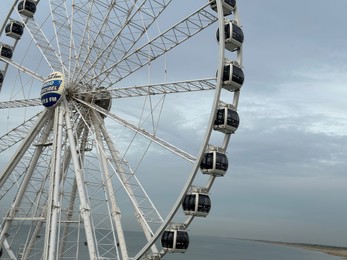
column 52, row 90
column 68, row 163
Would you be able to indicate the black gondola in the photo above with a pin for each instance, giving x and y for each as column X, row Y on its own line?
column 6, row 51
column 227, row 120
column 233, row 36
column 14, row 29
column 214, row 163
column 27, row 8
column 103, row 99
column 196, row 204
column 1, row 77
column 175, row 241
column 233, row 77
column 228, row 6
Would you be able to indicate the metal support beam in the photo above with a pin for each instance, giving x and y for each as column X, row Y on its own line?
column 85, row 207
column 24, row 146
column 116, row 215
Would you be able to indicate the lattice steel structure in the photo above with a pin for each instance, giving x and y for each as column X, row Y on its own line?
column 89, row 166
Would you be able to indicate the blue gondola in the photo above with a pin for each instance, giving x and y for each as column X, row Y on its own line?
column 196, row 204
column 233, row 36
column 228, row 6
column 233, row 77
column 175, row 241
column 27, row 8
column 227, row 120
column 6, row 51
column 14, row 29
column 214, row 163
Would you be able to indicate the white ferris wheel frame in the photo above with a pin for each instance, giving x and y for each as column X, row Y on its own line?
column 62, row 114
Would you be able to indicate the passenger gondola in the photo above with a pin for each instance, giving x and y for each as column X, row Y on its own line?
column 233, row 77
column 228, row 6
column 103, row 99
column 175, row 241
column 27, row 8
column 196, row 204
column 214, row 163
column 6, row 51
column 1, row 77
column 227, row 120
column 233, row 36
column 14, row 29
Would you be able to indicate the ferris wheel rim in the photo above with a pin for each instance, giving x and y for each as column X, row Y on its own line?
column 206, row 139
column 221, row 58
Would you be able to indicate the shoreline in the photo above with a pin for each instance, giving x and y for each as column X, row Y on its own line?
column 330, row 250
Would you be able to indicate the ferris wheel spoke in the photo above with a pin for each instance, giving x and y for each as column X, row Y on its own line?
column 54, row 189
column 145, row 90
column 69, row 216
column 151, row 89
column 32, row 102
column 142, row 132
column 129, row 179
column 146, row 212
column 35, row 191
column 17, row 134
column 35, row 235
column 22, row 68
column 111, row 195
column 11, row 214
column 85, row 207
column 43, row 45
column 98, row 42
column 73, row 181
column 63, row 31
column 24, row 146
column 136, row 21
column 158, row 46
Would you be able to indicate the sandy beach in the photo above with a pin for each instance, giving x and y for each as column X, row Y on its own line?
column 331, row 250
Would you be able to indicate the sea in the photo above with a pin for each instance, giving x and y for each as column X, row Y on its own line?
column 221, row 248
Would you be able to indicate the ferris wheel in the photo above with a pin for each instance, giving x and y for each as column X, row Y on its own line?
column 87, row 112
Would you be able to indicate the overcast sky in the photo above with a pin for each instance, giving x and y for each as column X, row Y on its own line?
column 287, row 178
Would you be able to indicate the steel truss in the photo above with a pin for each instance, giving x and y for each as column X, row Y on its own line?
column 69, row 184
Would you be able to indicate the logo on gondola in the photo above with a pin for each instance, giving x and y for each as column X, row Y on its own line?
column 52, row 89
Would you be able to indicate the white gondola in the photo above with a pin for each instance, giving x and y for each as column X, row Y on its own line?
column 227, row 120
column 14, row 29
column 27, row 8
column 233, row 76
column 175, row 240
column 6, row 51
column 214, row 162
column 197, row 203
column 233, row 36
column 228, row 6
